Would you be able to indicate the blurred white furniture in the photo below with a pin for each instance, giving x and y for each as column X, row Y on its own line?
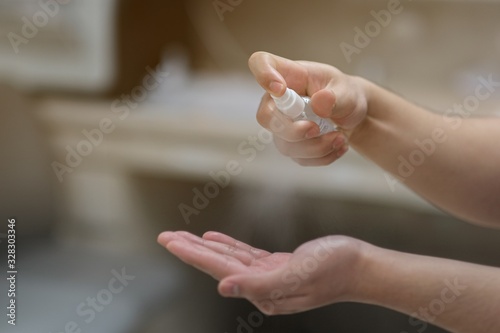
column 64, row 44
column 86, row 47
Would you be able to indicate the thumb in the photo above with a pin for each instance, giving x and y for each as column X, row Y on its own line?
column 253, row 286
column 343, row 105
column 323, row 102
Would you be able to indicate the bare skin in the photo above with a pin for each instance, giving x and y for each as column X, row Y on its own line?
column 460, row 176
column 460, row 297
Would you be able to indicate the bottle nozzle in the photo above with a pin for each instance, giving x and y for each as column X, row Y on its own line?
column 291, row 104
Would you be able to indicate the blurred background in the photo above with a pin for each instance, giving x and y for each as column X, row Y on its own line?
column 115, row 115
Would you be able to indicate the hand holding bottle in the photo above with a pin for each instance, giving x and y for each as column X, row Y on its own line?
column 299, row 108
column 334, row 95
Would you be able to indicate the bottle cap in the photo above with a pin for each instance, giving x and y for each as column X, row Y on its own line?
column 291, row 104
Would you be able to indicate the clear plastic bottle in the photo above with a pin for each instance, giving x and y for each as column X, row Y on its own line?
column 298, row 107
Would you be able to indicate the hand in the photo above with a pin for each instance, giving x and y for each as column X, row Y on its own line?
column 319, row 272
column 334, row 95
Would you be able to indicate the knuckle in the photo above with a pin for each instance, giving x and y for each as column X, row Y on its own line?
column 329, row 159
column 279, row 127
column 263, row 112
column 267, row 307
column 283, row 147
column 262, row 118
column 314, row 162
column 325, row 147
column 302, row 161
column 342, row 242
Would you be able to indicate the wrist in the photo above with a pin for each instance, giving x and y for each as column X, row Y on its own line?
column 364, row 98
column 359, row 270
column 370, row 274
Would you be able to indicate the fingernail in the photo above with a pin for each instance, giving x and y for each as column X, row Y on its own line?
column 235, row 291
column 312, row 133
column 232, row 291
column 276, row 87
column 339, row 142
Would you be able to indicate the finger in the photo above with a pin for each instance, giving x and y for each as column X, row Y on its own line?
column 168, row 236
column 165, row 237
column 313, row 148
column 322, row 161
column 244, row 256
column 254, row 286
column 215, row 264
column 268, row 292
column 323, row 102
column 190, row 237
column 241, row 255
column 269, row 117
column 225, row 239
column 347, row 104
column 275, row 73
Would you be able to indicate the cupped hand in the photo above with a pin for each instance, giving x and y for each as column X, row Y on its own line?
column 319, row 272
column 334, row 95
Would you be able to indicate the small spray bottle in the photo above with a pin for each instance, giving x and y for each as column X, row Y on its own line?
column 297, row 108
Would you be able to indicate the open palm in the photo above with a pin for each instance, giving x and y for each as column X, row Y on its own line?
column 220, row 255
column 317, row 273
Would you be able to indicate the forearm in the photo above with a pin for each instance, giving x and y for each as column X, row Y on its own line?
column 452, row 162
column 457, row 296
